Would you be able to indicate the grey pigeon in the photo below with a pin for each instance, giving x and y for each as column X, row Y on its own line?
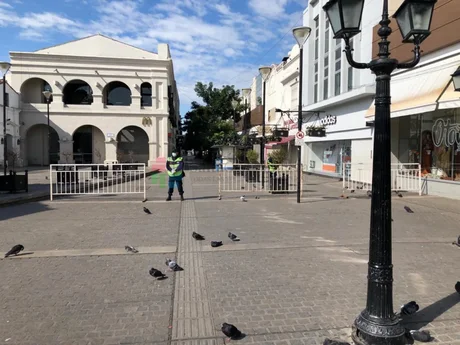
column 220, row 197
column 458, row 242
column 156, row 273
column 408, row 210
column 231, row 331
column 422, row 336
column 233, row 237
column 328, row 341
column 131, row 249
column 243, row 198
column 215, row 244
column 400, row 195
column 409, row 308
column 146, row 210
column 197, row 236
column 352, row 191
column 15, row 250
column 457, row 287
column 173, row 266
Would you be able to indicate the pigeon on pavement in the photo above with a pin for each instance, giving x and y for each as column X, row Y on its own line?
column 458, row 242
column 422, row 336
column 156, row 273
column 233, row 237
column 408, row 210
column 131, row 249
column 173, row 266
column 15, row 250
column 216, row 244
column 243, row 198
column 409, row 308
column 197, row 236
column 328, row 341
column 146, row 210
column 457, row 287
column 231, row 331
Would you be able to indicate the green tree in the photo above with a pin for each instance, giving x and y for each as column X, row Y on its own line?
column 211, row 123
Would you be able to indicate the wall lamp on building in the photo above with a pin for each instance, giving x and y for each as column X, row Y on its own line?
column 378, row 324
column 456, row 79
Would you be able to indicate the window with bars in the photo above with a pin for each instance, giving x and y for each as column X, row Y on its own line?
column 326, row 60
column 315, row 92
column 338, row 61
column 350, row 71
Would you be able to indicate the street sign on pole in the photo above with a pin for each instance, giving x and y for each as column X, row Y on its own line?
column 299, row 138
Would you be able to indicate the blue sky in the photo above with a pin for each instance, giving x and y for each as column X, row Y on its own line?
column 223, row 41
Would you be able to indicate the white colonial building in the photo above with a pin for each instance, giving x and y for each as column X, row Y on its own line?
column 110, row 102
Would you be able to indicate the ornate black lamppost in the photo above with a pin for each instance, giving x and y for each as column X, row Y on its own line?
column 264, row 72
column 48, row 95
column 301, row 35
column 378, row 324
column 4, row 67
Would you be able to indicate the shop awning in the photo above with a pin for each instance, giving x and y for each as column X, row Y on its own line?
column 284, row 140
column 418, row 90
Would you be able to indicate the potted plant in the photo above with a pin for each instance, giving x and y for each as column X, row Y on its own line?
column 316, row 131
column 252, row 175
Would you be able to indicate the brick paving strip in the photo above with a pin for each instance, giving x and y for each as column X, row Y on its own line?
column 192, row 319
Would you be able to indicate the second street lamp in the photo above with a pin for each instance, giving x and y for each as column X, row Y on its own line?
column 48, row 95
column 301, row 35
column 378, row 324
column 4, row 67
column 264, row 72
column 234, row 106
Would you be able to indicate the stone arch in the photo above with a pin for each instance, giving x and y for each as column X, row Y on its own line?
column 77, row 91
column 32, row 90
column 132, row 145
column 146, row 94
column 37, row 145
column 88, row 145
column 117, row 93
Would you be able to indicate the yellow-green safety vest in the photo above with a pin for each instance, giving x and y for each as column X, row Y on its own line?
column 174, row 164
column 271, row 167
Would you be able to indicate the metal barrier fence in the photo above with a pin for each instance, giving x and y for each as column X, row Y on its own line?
column 258, row 178
column 404, row 177
column 97, row 179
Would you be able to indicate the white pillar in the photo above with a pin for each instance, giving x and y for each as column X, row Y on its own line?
column 110, row 151
column 66, row 152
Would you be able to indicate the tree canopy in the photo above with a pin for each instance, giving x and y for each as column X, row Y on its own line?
column 211, row 123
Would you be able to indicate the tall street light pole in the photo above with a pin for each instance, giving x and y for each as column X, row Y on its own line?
column 234, row 106
column 48, row 95
column 246, row 92
column 4, row 67
column 301, row 35
column 264, row 72
column 378, row 324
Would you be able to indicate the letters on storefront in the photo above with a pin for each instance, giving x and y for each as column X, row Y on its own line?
column 445, row 133
column 329, row 120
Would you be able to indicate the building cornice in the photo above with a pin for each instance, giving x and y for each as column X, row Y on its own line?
column 290, row 76
column 87, row 59
column 353, row 95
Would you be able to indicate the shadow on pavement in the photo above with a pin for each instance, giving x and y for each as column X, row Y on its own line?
column 432, row 312
column 15, row 211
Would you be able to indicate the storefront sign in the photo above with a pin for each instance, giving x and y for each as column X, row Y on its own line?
column 329, row 120
column 445, row 133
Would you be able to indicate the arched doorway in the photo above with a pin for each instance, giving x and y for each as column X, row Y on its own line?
column 132, row 145
column 37, row 145
column 88, row 145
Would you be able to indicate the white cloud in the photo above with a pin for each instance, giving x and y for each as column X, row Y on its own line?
column 269, row 8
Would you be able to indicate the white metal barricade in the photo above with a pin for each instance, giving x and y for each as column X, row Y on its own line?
column 97, row 179
column 404, row 177
column 258, row 178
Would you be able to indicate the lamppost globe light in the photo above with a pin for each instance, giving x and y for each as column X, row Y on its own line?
column 47, row 94
column 345, row 17
column 4, row 67
column 456, row 79
column 414, row 20
column 234, row 104
column 265, row 72
column 246, row 92
column 301, row 34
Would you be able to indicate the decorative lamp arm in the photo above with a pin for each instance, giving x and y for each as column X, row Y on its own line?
column 349, row 55
column 414, row 62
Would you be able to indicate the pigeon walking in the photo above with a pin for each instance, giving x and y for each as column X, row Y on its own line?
column 422, row 336
column 409, row 308
column 231, row 331
column 15, row 250
column 233, row 237
column 156, row 273
column 243, row 198
column 400, row 195
column 458, row 242
column 457, row 287
column 131, row 249
column 408, row 210
column 197, row 236
column 173, row 266
column 328, row 341
column 146, row 210
column 220, row 197
column 215, row 244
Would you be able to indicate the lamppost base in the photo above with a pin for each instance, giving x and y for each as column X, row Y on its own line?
column 365, row 331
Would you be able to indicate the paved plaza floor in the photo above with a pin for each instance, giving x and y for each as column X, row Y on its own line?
column 297, row 276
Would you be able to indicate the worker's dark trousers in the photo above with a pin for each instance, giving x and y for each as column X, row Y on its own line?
column 178, row 181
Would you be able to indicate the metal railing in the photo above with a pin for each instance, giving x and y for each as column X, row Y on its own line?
column 97, row 179
column 404, row 177
column 259, row 178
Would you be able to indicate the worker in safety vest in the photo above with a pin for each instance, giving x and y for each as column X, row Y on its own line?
column 271, row 168
column 175, row 167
